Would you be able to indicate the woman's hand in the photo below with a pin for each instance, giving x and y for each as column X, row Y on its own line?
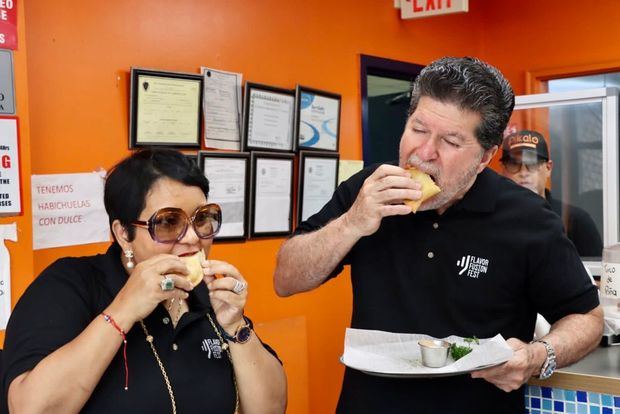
column 142, row 291
column 228, row 294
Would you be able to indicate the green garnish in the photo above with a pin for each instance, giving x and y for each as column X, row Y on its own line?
column 472, row 340
column 457, row 352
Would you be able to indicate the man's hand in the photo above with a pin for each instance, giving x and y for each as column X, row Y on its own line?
column 572, row 337
column 382, row 195
column 525, row 362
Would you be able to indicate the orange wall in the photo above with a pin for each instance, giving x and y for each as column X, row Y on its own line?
column 78, row 63
column 79, row 54
column 554, row 38
column 21, row 252
column 534, row 35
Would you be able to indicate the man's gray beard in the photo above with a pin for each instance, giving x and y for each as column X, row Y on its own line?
column 447, row 194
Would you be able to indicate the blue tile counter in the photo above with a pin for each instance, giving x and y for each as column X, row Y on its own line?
column 591, row 386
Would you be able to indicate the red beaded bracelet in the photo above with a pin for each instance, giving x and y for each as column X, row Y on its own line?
column 112, row 322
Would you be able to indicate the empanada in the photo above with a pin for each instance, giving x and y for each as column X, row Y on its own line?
column 429, row 188
column 195, row 268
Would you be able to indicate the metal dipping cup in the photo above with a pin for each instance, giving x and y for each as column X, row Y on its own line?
column 434, row 352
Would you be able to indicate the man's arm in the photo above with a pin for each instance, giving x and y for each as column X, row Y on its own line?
column 306, row 260
column 572, row 337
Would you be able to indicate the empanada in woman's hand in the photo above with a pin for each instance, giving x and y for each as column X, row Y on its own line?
column 194, row 265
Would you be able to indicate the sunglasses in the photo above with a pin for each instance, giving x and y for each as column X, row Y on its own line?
column 169, row 225
column 514, row 167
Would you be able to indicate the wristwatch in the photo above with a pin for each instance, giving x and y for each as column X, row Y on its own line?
column 549, row 365
column 242, row 334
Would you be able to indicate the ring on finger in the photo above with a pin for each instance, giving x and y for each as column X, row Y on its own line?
column 167, row 284
column 239, row 287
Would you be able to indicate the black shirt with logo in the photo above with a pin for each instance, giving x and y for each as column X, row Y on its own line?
column 70, row 293
column 580, row 227
column 485, row 267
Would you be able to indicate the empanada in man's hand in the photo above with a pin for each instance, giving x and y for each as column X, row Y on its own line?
column 429, row 188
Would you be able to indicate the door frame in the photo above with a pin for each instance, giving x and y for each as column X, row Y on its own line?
column 374, row 65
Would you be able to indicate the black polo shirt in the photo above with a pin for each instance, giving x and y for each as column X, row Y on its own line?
column 580, row 228
column 486, row 266
column 69, row 294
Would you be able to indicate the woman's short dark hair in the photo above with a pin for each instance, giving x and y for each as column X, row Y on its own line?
column 128, row 182
column 472, row 85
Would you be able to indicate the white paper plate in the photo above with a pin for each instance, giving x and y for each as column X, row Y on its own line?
column 421, row 374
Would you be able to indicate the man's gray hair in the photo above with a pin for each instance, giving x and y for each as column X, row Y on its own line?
column 472, row 85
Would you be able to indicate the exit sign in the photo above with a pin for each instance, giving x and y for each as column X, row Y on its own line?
column 413, row 9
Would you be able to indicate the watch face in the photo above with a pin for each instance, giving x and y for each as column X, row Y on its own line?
column 243, row 334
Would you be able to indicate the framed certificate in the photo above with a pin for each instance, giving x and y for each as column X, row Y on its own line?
column 318, row 177
column 222, row 109
column 165, row 109
column 268, row 115
column 271, row 213
column 228, row 174
column 317, row 119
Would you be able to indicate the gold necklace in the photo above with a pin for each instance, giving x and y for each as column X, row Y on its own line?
column 225, row 347
column 149, row 339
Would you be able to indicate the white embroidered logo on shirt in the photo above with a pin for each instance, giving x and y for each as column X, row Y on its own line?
column 472, row 266
column 212, row 347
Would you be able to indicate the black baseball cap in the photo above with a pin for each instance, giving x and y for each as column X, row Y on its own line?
column 531, row 145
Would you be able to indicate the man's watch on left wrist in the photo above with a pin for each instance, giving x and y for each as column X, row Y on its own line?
column 242, row 333
column 550, row 364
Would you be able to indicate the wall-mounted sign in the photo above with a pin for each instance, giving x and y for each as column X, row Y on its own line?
column 7, row 87
column 413, row 9
column 8, row 24
column 10, row 196
column 7, row 232
column 67, row 210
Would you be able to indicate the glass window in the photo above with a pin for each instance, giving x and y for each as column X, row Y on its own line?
column 574, row 136
column 577, row 83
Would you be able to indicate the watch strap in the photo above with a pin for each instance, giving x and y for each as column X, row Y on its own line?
column 236, row 337
column 549, row 365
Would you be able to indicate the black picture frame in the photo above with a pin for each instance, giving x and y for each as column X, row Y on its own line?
column 256, row 157
column 189, row 84
column 304, row 97
column 252, row 92
column 304, row 157
column 215, row 191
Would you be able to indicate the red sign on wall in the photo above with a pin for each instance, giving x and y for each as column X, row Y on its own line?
column 412, row 9
column 8, row 24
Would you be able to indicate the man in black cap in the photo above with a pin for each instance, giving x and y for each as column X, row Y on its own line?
column 525, row 160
